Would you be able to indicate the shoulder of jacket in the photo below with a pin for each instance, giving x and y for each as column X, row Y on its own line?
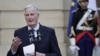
column 46, row 27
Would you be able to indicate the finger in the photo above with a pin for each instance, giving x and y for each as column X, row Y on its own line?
column 17, row 41
column 17, row 38
column 14, row 38
column 20, row 42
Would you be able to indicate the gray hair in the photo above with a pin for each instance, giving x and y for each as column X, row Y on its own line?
column 32, row 5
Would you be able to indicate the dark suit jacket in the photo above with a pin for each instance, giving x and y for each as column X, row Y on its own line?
column 47, row 45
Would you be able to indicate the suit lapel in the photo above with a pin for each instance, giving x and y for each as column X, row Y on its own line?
column 42, row 32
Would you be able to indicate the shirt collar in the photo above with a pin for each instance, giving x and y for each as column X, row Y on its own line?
column 35, row 28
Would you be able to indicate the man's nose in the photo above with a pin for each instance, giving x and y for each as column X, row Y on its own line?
column 29, row 16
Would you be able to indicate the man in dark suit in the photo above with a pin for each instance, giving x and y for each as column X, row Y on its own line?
column 43, row 37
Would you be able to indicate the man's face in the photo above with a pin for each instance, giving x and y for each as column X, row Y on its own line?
column 31, row 16
column 83, row 3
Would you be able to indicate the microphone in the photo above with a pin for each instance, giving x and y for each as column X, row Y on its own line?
column 31, row 35
column 39, row 36
column 34, row 36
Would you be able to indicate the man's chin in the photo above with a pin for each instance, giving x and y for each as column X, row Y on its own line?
column 31, row 25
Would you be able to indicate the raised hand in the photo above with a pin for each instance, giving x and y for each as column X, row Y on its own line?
column 15, row 43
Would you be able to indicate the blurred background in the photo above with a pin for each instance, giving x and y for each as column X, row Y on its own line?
column 53, row 13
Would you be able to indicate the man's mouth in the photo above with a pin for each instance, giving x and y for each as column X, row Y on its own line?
column 30, row 21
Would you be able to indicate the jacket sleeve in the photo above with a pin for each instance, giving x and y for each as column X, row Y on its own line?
column 73, row 24
column 10, row 53
column 96, row 29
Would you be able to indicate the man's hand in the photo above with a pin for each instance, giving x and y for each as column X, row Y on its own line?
column 15, row 43
column 40, row 54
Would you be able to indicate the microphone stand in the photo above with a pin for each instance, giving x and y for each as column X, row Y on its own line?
column 37, row 40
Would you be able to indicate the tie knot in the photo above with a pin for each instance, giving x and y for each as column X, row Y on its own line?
column 31, row 30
